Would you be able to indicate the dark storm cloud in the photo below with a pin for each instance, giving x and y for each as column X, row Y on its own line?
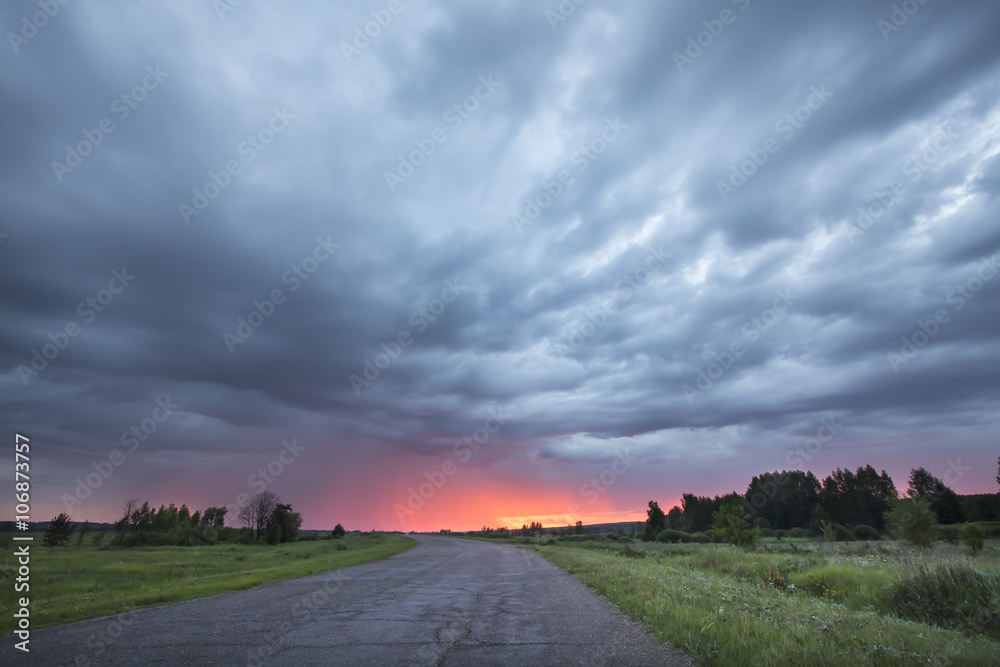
column 530, row 327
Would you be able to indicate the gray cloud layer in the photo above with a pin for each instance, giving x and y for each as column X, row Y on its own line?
column 906, row 120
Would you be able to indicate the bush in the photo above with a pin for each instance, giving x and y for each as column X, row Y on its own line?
column 730, row 523
column 59, row 531
column 798, row 532
column 972, row 536
column 912, row 520
column 338, row 531
column 780, row 533
column 670, row 535
column 951, row 596
column 701, row 538
column 948, row 534
column 766, row 532
column 96, row 539
column 866, row 533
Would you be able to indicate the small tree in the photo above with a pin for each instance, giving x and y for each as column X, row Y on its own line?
column 829, row 532
column 656, row 521
column 84, row 529
column 59, row 531
column 731, row 524
column 912, row 520
column 972, row 536
column 338, row 532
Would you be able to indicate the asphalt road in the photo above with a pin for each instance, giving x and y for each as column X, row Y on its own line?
column 447, row 602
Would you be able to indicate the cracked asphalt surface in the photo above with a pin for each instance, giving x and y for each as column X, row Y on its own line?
column 448, row 601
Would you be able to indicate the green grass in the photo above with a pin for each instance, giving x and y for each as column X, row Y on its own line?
column 824, row 604
column 74, row 583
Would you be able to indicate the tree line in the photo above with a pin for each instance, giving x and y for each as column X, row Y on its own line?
column 264, row 518
column 793, row 499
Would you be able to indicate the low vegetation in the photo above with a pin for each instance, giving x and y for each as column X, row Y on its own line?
column 76, row 582
column 814, row 603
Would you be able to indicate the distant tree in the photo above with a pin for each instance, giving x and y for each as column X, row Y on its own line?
column 183, row 516
column 674, row 517
column 273, row 533
column 578, row 528
column 142, row 519
column 126, row 523
column 785, row 499
column 84, row 529
column 656, row 521
column 287, row 521
column 861, row 497
column 998, row 473
column 913, row 520
column 945, row 502
column 731, row 524
column 338, row 531
column 196, row 519
column 59, row 531
column 257, row 511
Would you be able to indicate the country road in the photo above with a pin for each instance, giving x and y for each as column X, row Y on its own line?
column 448, row 601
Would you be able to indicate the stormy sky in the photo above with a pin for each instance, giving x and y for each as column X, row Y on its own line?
column 419, row 264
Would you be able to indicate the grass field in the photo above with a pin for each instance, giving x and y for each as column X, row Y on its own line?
column 816, row 604
column 73, row 583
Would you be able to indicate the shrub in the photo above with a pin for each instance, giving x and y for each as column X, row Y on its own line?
column 972, row 536
column 96, row 539
column 701, row 538
column 337, row 532
column 670, row 535
column 730, row 523
column 798, row 532
column 912, row 520
column 631, row 552
column 780, row 533
column 948, row 534
column 766, row 532
column 59, row 531
column 866, row 533
column 951, row 596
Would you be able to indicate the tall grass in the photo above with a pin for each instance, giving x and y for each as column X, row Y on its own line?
column 820, row 604
column 78, row 582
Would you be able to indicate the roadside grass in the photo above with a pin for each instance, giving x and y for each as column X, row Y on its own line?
column 825, row 604
column 74, row 583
